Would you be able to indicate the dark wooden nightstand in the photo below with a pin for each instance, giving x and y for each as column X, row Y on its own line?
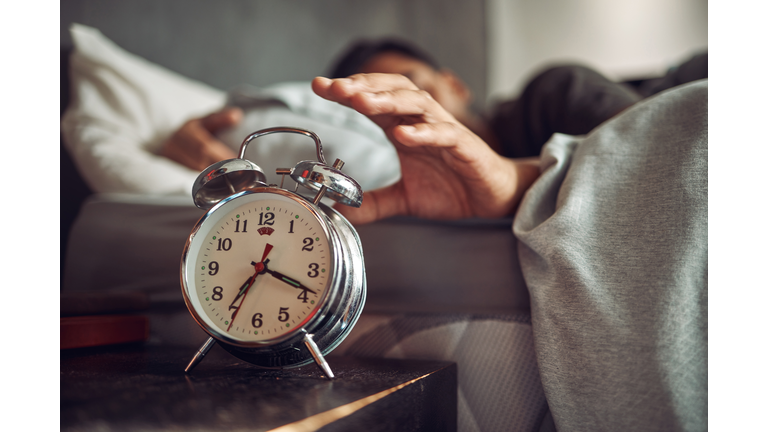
column 136, row 387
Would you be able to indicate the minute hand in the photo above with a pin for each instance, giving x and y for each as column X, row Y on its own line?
column 289, row 280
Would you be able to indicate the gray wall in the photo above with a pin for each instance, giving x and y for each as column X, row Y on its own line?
column 229, row 42
column 624, row 39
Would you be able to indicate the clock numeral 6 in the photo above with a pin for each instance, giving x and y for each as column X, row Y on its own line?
column 283, row 315
column 256, row 320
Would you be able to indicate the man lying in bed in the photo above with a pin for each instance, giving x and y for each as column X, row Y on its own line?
column 612, row 235
column 568, row 99
column 612, row 242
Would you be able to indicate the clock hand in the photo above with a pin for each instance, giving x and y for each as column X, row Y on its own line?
column 259, row 268
column 242, row 290
column 267, row 249
column 244, row 293
column 288, row 280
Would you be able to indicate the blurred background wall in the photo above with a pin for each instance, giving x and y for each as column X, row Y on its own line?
column 229, row 42
column 493, row 45
column 624, row 39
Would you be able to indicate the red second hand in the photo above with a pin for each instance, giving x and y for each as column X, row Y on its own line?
column 259, row 267
column 267, row 249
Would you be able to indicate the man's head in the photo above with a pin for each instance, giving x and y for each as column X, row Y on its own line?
column 396, row 56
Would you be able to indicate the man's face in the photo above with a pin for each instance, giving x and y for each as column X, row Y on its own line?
column 443, row 85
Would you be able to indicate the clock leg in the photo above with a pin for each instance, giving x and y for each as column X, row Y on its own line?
column 318, row 356
column 200, row 354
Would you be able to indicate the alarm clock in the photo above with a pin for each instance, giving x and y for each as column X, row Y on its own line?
column 275, row 278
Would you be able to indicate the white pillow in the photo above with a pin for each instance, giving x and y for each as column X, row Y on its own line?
column 121, row 110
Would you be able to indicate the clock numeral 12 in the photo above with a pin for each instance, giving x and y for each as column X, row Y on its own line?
column 266, row 218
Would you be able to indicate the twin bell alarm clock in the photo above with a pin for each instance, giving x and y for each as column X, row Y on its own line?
column 276, row 279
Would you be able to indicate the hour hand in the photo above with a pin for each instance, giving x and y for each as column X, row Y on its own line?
column 290, row 281
column 241, row 291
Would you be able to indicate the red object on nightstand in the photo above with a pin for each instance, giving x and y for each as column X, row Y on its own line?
column 95, row 330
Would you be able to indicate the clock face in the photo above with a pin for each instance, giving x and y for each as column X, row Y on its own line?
column 258, row 268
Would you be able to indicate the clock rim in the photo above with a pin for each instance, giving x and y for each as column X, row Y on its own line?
column 318, row 314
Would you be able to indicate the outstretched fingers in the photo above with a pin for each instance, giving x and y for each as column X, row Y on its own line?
column 443, row 134
column 381, row 95
column 341, row 88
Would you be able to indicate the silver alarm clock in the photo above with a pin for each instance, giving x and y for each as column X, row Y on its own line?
column 277, row 279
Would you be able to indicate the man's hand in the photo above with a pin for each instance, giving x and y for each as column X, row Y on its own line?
column 448, row 172
column 194, row 145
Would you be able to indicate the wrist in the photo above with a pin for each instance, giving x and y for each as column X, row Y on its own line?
column 525, row 172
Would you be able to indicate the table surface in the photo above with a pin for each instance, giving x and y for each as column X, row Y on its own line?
column 129, row 387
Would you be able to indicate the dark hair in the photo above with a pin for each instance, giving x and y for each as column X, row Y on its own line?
column 362, row 51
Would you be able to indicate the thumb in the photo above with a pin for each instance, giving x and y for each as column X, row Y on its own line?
column 378, row 204
column 225, row 118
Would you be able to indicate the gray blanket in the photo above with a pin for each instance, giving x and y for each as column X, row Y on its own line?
column 613, row 248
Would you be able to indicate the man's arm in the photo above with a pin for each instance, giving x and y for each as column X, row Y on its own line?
column 448, row 172
column 194, row 145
